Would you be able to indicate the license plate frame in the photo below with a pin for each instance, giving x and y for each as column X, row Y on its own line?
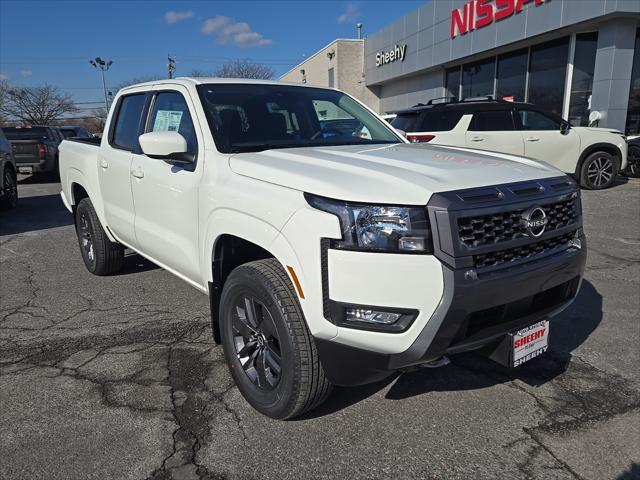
column 530, row 342
column 520, row 346
column 25, row 170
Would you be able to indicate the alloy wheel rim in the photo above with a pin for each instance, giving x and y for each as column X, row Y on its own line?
column 10, row 187
column 634, row 161
column 600, row 172
column 86, row 241
column 256, row 342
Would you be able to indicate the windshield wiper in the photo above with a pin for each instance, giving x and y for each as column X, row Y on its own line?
column 259, row 147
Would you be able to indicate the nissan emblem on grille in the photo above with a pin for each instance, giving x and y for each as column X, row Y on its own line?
column 534, row 221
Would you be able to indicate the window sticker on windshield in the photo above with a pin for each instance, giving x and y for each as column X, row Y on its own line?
column 167, row 121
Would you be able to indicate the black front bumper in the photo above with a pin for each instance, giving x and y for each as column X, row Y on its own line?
column 473, row 313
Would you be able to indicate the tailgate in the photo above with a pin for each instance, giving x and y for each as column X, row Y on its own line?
column 25, row 151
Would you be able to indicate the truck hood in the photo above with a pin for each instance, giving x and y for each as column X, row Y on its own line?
column 601, row 130
column 399, row 173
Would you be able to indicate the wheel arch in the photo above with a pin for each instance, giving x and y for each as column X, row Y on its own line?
column 243, row 239
column 609, row 148
column 78, row 188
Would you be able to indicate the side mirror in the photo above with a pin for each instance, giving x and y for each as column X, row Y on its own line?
column 168, row 146
column 401, row 132
column 565, row 127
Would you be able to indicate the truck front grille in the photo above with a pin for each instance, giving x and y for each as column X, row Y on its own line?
column 482, row 230
column 511, row 255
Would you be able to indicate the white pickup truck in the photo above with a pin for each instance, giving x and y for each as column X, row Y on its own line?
column 330, row 256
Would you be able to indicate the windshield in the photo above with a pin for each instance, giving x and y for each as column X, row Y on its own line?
column 254, row 117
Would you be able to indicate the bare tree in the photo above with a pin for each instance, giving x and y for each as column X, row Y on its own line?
column 35, row 105
column 95, row 122
column 244, row 69
column 4, row 89
column 133, row 81
column 200, row 73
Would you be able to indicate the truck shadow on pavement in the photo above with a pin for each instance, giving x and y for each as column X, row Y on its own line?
column 471, row 371
column 135, row 263
column 34, row 213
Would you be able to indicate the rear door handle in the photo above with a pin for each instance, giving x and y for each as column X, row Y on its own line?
column 138, row 173
column 533, row 139
column 477, row 139
column 104, row 163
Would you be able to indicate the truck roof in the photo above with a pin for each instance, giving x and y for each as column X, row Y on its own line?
column 189, row 81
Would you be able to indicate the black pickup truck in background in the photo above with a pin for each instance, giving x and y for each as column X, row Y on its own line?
column 35, row 148
column 74, row 131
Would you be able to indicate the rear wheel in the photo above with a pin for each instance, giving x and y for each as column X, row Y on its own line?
column 599, row 171
column 633, row 162
column 269, row 349
column 9, row 198
column 101, row 256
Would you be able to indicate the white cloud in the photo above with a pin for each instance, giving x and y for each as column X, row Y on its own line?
column 351, row 13
column 4, row 76
column 26, row 72
column 173, row 16
column 228, row 31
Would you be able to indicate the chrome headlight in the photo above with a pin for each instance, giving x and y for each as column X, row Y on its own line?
column 379, row 228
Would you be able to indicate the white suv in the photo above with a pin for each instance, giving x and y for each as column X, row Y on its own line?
column 593, row 155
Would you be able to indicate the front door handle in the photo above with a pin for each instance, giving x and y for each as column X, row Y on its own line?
column 533, row 139
column 103, row 163
column 138, row 173
column 477, row 139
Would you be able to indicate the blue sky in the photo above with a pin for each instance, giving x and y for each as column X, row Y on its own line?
column 52, row 41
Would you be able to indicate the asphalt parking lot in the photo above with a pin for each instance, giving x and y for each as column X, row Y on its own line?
column 118, row 377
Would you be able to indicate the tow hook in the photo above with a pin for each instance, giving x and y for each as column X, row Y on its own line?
column 437, row 363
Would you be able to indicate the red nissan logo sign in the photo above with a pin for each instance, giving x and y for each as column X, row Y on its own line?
column 480, row 13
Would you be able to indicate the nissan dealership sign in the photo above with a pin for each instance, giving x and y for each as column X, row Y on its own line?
column 480, row 13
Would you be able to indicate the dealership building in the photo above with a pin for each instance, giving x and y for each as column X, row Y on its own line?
column 576, row 58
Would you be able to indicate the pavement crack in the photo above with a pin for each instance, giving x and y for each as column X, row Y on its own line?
column 187, row 373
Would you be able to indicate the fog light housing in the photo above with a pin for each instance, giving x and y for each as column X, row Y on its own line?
column 371, row 316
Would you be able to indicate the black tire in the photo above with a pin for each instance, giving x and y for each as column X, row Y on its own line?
column 9, row 197
column 599, row 171
column 633, row 162
column 101, row 256
column 280, row 375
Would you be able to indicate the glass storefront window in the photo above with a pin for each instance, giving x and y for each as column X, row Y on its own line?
column 584, row 61
column 633, row 110
column 512, row 76
column 477, row 78
column 547, row 74
column 452, row 82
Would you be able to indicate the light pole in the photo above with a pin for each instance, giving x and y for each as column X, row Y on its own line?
column 102, row 65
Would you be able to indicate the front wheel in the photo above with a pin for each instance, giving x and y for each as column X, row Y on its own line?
column 633, row 162
column 101, row 256
column 599, row 171
column 268, row 347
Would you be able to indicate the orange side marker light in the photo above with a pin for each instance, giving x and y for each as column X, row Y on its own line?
column 296, row 282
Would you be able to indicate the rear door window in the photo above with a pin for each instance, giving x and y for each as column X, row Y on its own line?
column 127, row 125
column 439, row 121
column 492, row 121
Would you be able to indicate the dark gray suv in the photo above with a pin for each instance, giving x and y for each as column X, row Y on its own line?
column 8, row 179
